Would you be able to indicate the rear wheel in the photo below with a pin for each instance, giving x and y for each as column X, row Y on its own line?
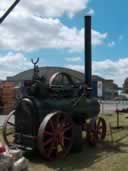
column 9, row 129
column 55, row 136
column 96, row 131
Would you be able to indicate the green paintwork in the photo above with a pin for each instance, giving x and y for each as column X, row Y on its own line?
column 76, row 107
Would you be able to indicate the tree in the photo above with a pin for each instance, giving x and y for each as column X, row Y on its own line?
column 125, row 86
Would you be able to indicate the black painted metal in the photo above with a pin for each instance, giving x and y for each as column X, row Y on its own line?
column 9, row 10
column 64, row 75
column 88, row 60
column 26, row 121
column 36, row 70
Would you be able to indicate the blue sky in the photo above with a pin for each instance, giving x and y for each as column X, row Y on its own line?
column 53, row 31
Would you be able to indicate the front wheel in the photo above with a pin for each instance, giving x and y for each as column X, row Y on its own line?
column 55, row 136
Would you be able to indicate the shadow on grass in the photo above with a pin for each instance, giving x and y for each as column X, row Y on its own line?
column 77, row 161
column 89, row 155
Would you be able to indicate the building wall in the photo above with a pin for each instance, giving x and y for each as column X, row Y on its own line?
column 7, row 96
column 108, row 89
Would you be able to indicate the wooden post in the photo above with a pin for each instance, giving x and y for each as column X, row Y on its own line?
column 117, row 112
column 110, row 129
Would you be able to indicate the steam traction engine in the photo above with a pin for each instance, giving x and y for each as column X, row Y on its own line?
column 53, row 117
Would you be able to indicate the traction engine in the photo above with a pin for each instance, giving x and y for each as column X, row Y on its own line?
column 56, row 115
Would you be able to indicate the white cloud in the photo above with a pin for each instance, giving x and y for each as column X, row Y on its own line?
column 13, row 63
column 116, row 70
column 24, row 32
column 111, row 44
column 98, row 38
column 48, row 8
column 75, row 67
column 108, row 69
column 91, row 12
column 29, row 27
column 73, row 59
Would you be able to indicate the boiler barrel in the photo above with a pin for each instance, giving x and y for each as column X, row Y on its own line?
column 87, row 107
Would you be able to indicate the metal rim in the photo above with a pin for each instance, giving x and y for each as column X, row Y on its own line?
column 96, row 131
column 55, row 136
column 9, row 129
column 63, row 74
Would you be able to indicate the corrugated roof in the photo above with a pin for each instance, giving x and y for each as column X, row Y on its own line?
column 47, row 72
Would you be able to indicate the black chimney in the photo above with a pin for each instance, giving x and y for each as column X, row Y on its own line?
column 87, row 51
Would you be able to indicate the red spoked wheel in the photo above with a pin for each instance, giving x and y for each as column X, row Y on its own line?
column 9, row 129
column 96, row 131
column 55, row 136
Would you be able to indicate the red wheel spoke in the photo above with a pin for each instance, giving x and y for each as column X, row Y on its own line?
column 64, row 120
column 99, row 134
column 48, row 141
column 96, row 131
column 68, row 128
column 99, row 130
column 61, row 139
column 49, row 133
column 50, row 150
column 51, row 124
column 56, row 143
column 57, row 119
column 62, row 124
column 99, row 122
column 101, row 127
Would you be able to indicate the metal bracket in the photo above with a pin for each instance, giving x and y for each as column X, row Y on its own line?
column 35, row 61
column 36, row 70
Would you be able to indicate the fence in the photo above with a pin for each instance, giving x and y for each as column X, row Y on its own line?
column 112, row 106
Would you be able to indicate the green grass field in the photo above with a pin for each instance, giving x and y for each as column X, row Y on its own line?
column 110, row 156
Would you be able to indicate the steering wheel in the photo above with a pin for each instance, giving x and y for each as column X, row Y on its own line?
column 60, row 79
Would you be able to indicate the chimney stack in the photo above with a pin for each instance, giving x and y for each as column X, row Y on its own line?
column 88, row 54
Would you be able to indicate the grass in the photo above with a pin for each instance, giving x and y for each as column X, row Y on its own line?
column 1, row 140
column 110, row 156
